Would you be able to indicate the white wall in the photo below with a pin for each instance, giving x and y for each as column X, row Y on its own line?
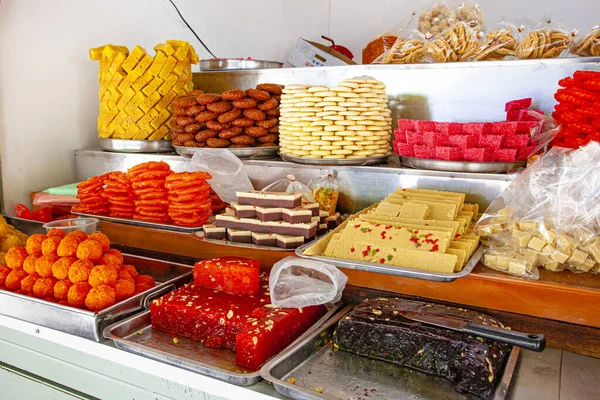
column 48, row 85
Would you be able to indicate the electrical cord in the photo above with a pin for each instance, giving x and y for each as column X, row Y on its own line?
column 190, row 28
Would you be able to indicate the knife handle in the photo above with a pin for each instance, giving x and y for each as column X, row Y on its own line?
column 529, row 341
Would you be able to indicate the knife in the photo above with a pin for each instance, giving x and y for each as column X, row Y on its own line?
column 529, row 341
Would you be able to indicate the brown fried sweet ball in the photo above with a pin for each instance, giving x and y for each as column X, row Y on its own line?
column 100, row 297
column 103, row 275
column 102, row 239
column 13, row 280
column 89, row 250
column 80, row 271
column 43, row 265
column 29, row 263
column 124, row 289
column 50, row 245
column 60, row 268
column 44, row 287
column 78, row 293
column 34, row 243
column 68, row 247
column 15, row 257
column 61, row 289
column 56, row 232
column 4, row 271
column 28, row 282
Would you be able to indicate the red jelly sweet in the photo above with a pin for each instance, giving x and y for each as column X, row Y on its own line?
column 235, row 275
column 518, row 104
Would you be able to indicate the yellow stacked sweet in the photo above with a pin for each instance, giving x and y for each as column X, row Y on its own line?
column 136, row 89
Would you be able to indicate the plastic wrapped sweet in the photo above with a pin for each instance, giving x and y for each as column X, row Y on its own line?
column 548, row 217
column 442, row 16
column 458, row 43
column 325, row 191
column 384, row 41
column 497, row 44
column 588, row 45
column 546, row 40
column 407, row 49
column 289, row 184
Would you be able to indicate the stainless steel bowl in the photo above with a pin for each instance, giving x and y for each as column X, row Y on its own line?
column 226, row 64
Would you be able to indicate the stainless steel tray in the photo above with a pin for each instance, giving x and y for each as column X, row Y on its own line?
column 253, row 153
column 228, row 64
column 343, row 161
column 461, row 166
column 88, row 324
column 314, row 363
column 26, row 226
column 135, row 222
column 135, row 335
column 136, row 146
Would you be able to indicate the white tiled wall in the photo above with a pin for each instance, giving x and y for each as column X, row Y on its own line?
column 48, row 85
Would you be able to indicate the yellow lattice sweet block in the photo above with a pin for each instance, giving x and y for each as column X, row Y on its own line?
column 136, row 90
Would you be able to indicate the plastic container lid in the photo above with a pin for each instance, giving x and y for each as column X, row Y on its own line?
column 87, row 225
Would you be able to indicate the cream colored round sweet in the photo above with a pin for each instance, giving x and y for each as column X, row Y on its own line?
column 322, row 122
column 310, row 119
column 312, row 128
column 345, row 133
column 315, row 89
column 325, row 104
column 335, row 99
column 349, row 113
column 321, row 142
column 354, row 147
column 357, row 128
column 332, row 138
column 343, row 152
column 331, row 148
column 333, row 118
column 326, row 113
column 352, row 85
column 348, row 95
column 334, row 108
column 327, row 93
column 345, row 122
column 333, row 128
column 340, row 89
column 320, row 153
column 358, row 109
column 348, row 104
column 311, row 109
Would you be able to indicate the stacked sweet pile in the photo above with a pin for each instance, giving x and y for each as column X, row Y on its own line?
column 506, row 141
column 411, row 228
column 72, row 269
column 228, row 306
column 271, row 219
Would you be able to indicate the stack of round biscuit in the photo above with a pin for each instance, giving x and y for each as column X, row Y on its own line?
column 350, row 120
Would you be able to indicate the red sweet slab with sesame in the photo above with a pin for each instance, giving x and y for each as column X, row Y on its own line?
column 516, row 141
column 435, row 139
column 491, row 141
column 414, row 137
column 400, row 135
column 426, row 152
column 407, row 124
column 463, row 141
column 405, row 149
column 505, row 155
column 477, row 128
column 529, row 127
column 235, row 275
column 448, row 153
column 517, row 104
column 504, row 128
column 425, row 126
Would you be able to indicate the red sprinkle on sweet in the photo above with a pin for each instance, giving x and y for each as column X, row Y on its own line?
column 368, row 248
column 416, row 232
column 435, row 248
column 377, row 225
column 388, row 227
column 369, row 230
column 457, row 236
column 429, row 235
column 414, row 240
column 352, row 250
column 365, row 253
column 356, row 226
column 382, row 261
column 376, row 250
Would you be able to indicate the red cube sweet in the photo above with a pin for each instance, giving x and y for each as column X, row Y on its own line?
column 505, row 155
column 524, row 154
column 523, row 115
column 442, row 127
column 517, row 104
column 477, row 128
column 504, row 128
column 455, row 128
column 463, row 141
column 528, row 127
column 407, row 124
column 426, row 152
column 425, row 126
column 435, row 139
column 516, row 141
column 414, row 137
column 491, row 141
column 479, row 154
column 400, row 135
column 235, row 275
column 448, row 153
column 405, row 149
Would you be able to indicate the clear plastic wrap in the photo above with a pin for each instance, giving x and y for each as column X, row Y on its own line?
column 408, row 49
column 325, row 191
column 289, row 184
column 547, row 39
column 458, row 43
column 589, row 44
column 548, row 217
column 296, row 282
column 498, row 43
column 384, row 41
column 443, row 15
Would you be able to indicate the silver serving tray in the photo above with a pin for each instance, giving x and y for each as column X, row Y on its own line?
column 135, row 222
column 343, row 161
column 236, row 64
column 461, row 166
column 314, row 363
column 88, row 324
column 136, row 146
column 135, row 335
column 240, row 152
column 27, row 226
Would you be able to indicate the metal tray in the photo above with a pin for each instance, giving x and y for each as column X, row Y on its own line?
column 26, row 226
column 343, row 161
column 135, row 222
column 253, row 153
column 314, row 363
column 136, row 146
column 88, row 324
column 228, row 64
column 461, row 166
column 135, row 335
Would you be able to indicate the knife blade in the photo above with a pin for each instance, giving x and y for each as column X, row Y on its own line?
column 529, row 341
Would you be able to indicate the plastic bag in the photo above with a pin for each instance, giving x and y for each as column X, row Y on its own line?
column 289, row 184
column 296, row 282
column 408, row 49
column 384, row 41
column 325, row 191
column 458, row 43
column 228, row 172
column 497, row 43
column 441, row 16
column 548, row 217
column 588, row 45
column 546, row 40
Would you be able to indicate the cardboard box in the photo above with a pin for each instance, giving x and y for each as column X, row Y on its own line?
column 311, row 54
